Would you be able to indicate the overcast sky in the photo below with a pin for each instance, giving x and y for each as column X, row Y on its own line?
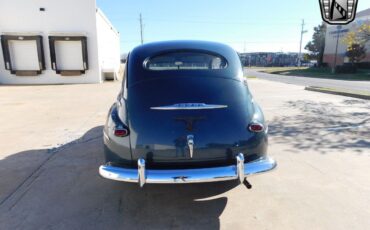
column 246, row 25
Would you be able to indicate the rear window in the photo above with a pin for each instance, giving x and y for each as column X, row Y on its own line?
column 189, row 60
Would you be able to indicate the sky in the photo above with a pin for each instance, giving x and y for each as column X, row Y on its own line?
column 246, row 25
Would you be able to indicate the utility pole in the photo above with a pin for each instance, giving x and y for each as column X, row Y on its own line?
column 300, row 43
column 141, row 29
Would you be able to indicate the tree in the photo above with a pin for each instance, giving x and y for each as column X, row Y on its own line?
column 355, row 41
column 356, row 52
column 317, row 45
column 308, row 57
column 359, row 36
column 364, row 32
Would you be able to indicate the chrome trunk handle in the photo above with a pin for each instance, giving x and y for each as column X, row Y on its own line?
column 191, row 144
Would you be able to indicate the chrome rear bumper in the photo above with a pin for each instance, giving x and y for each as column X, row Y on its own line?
column 142, row 175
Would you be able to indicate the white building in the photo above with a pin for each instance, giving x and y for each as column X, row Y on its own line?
column 56, row 42
column 332, row 36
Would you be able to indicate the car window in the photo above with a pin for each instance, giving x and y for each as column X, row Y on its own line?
column 189, row 60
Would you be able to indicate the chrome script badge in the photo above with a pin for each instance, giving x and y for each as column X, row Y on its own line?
column 338, row 12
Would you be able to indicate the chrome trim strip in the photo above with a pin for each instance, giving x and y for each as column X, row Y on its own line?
column 197, row 175
column 188, row 106
column 106, row 135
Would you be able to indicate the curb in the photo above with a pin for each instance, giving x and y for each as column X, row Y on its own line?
column 337, row 92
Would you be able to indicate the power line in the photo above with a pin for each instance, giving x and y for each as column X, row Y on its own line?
column 249, row 22
column 234, row 42
column 245, row 21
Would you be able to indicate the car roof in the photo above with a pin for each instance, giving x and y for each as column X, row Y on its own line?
column 136, row 71
column 156, row 47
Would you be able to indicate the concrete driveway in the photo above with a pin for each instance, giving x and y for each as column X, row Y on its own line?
column 52, row 146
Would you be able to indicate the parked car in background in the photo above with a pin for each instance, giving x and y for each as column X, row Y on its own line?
column 184, row 115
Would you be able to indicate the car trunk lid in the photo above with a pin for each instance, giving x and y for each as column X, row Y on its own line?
column 188, row 120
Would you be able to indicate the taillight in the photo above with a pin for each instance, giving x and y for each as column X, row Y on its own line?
column 256, row 127
column 120, row 132
column 120, row 129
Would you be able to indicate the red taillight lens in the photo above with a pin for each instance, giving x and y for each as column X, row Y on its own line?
column 256, row 127
column 120, row 132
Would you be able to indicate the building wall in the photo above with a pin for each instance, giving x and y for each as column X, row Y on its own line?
column 67, row 16
column 108, row 44
column 331, row 39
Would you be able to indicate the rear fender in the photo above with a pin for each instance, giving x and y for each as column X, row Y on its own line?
column 258, row 115
column 117, row 149
column 259, row 139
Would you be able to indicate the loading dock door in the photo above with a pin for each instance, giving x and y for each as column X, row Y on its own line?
column 68, row 55
column 23, row 55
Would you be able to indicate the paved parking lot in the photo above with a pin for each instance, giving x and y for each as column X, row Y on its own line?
column 51, row 147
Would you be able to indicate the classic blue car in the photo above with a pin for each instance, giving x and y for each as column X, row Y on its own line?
column 184, row 115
